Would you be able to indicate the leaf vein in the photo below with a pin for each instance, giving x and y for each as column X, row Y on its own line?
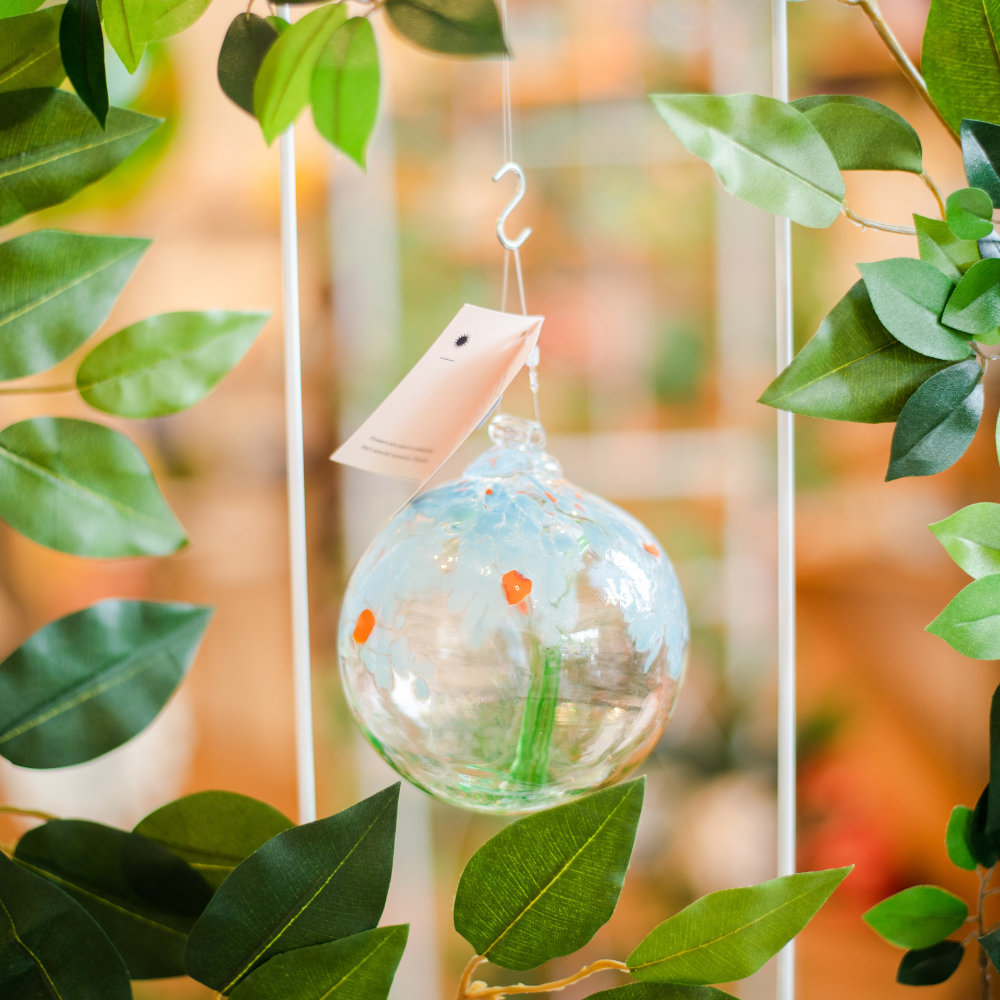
column 555, row 878
column 728, row 934
column 71, row 485
column 305, row 906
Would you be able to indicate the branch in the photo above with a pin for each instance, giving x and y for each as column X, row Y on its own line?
column 32, row 813
column 26, row 390
column 935, row 190
column 500, row 991
column 870, row 7
column 872, row 224
column 463, row 983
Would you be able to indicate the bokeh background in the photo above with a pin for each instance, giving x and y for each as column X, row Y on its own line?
column 658, row 292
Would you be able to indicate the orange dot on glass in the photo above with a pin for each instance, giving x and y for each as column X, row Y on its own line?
column 515, row 586
column 652, row 549
column 366, row 622
column 489, row 493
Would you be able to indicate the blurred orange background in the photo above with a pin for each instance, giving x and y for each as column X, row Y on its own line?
column 658, row 292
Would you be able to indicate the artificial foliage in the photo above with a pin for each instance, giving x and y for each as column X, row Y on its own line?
column 905, row 343
column 923, row 918
column 227, row 889
column 223, row 888
column 909, row 343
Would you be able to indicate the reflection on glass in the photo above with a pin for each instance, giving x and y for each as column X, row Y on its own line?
column 509, row 640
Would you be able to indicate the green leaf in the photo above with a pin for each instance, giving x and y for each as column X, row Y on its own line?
column 309, row 885
column 37, row 920
column 661, row 991
column 454, row 27
column 991, row 945
column 763, row 151
column 971, row 536
column 213, row 831
column 81, row 43
column 852, row 369
column 729, row 935
column 863, row 134
column 279, row 24
column 970, row 622
column 929, row 966
column 959, row 61
column 360, row 967
column 981, row 154
column 985, row 846
column 121, row 22
column 82, row 488
column 166, row 363
column 99, row 866
column 13, row 8
column 87, row 683
column 939, row 246
column 974, row 306
column 283, row 82
column 161, row 19
column 345, row 88
column 29, row 51
column 917, row 917
column 909, row 296
column 957, row 838
column 969, row 212
column 56, row 290
column 247, row 41
column 51, row 146
column 938, row 423
column 516, row 891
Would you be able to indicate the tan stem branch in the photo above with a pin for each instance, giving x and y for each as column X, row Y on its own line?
column 470, row 968
column 559, row 984
column 886, row 227
column 27, row 390
column 872, row 12
column 32, row 813
column 934, row 190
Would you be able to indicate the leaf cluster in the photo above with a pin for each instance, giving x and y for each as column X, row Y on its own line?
column 214, row 885
column 901, row 344
column 544, row 885
column 273, row 70
column 226, row 889
column 922, row 917
column 90, row 681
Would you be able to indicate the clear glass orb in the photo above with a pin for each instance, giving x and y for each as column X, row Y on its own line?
column 509, row 640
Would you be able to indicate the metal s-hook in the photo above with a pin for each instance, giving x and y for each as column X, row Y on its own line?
column 505, row 241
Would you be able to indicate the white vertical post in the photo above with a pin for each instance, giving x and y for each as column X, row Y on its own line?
column 786, row 523
column 304, row 752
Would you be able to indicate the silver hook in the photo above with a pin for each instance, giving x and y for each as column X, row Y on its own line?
column 505, row 241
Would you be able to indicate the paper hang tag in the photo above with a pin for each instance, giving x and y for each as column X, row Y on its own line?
column 444, row 397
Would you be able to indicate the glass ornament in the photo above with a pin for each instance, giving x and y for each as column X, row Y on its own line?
column 509, row 640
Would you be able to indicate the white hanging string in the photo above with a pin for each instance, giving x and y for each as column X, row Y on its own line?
column 304, row 750
column 508, row 156
column 786, row 524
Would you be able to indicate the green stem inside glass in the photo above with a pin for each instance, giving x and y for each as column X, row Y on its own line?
column 531, row 760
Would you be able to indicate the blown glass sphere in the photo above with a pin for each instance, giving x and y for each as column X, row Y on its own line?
column 509, row 640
